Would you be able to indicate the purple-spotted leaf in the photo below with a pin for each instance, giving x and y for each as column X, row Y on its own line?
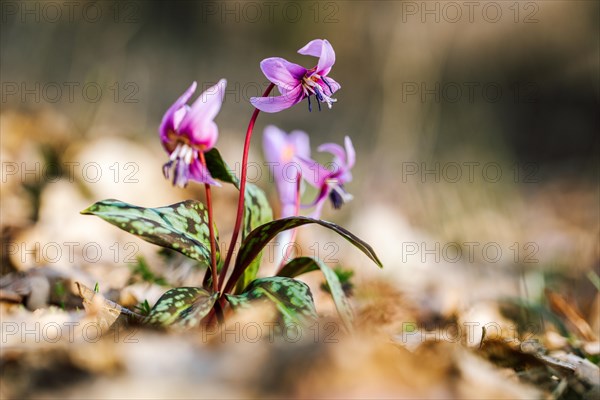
column 292, row 298
column 260, row 236
column 182, row 308
column 182, row 227
column 302, row 265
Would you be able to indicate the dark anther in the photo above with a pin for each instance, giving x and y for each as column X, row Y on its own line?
column 336, row 199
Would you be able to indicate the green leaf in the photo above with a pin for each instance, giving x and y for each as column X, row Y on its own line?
column 182, row 307
column 182, row 227
column 219, row 169
column 257, row 212
column 301, row 265
column 292, row 298
column 260, row 236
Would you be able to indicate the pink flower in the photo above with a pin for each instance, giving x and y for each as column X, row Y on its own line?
column 282, row 151
column 186, row 131
column 295, row 83
column 330, row 182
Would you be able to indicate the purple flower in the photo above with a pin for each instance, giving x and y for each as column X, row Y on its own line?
column 330, row 181
column 282, row 152
column 186, row 131
column 295, row 83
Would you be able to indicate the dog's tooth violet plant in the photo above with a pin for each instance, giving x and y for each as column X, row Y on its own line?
column 189, row 134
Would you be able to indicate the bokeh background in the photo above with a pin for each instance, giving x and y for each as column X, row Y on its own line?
column 475, row 124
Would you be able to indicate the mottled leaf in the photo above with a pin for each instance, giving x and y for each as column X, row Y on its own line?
column 182, row 307
column 260, row 236
column 302, row 265
column 292, row 298
column 257, row 212
column 182, row 227
column 219, row 169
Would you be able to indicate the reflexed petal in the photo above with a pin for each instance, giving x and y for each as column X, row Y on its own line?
column 301, row 142
column 313, row 48
column 202, row 112
column 282, row 72
column 200, row 173
column 179, row 115
column 350, row 153
column 313, row 172
column 322, row 49
column 338, row 152
column 331, row 86
column 168, row 120
column 278, row 103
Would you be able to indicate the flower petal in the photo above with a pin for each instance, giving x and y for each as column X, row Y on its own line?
column 320, row 48
column 350, row 153
column 338, row 152
column 313, row 172
column 278, row 103
column 301, row 142
column 316, row 214
column 274, row 141
column 168, row 121
column 209, row 136
column 196, row 123
column 330, row 86
column 282, row 72
column 200, row 173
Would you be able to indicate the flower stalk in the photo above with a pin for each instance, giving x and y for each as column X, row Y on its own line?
column 240, row 208
column 211, row 229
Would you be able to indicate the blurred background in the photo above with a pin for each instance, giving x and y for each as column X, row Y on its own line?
column 474, row 125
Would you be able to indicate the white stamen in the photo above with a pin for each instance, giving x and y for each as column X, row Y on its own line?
column 175, row 153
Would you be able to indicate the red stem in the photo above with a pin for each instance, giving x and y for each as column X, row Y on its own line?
column 240, row 209
column 211, row 229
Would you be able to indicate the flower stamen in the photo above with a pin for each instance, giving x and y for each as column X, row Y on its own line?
column 182, row 157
